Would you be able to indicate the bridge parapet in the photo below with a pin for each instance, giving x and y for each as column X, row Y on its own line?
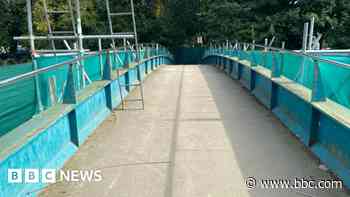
column 72, row 97
column 308, row 93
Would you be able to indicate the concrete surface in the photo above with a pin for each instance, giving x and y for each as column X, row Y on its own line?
column 200, row 135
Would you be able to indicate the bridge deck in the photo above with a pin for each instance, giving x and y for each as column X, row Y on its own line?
column 201, row 135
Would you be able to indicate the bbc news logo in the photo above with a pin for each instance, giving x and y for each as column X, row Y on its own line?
column 29, row 176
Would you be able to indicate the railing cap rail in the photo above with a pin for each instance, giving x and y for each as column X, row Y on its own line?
column 344, row 65
column 12, row 80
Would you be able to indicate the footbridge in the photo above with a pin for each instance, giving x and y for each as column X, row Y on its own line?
column 229, row 125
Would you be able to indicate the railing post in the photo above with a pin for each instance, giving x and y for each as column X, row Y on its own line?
column 152, row 63
column 37, row 86
column 223, row 63
column 265, row 44
column 138, row 72
column 146, row 67
column 100, row 55
column 32, row 47
column 70, row 94
column 107, row 71
column 126, row 59
column 276, row 70
column 107, row 75
column 231, row 67
column 317, row 86
column 81, row 79
column 265, row 57
column 282, row 61
column 253, row 59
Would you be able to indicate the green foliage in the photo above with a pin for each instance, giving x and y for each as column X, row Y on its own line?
column 178, row 22
column 3, row 23
column 248, row 20
column 16, row 23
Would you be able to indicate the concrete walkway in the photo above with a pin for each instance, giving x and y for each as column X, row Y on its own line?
column 201, row 135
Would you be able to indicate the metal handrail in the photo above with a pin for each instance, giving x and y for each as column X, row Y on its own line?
column 74, row 37
column 347, row 51
column 12, row 80
column 317, row 94
column 344, row 65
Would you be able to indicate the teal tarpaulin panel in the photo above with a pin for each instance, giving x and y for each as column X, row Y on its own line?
column 339, row 58
column 299, row 69
column 59, row 74
column 189, row 55
column 93, row 68
column 334, row 78
column 18, row 103
column 335, row 81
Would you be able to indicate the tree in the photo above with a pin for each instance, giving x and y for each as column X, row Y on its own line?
column 15, row 22
column 175, row 23
column 4, row 32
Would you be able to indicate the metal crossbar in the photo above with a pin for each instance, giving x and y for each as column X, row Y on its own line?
column 344, row 65
column 75, row 34
column 84, row 37
column 36, row 72
column 299, row 53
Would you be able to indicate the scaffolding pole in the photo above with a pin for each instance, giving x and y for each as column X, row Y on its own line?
column 305, row 34
column 30, row 26
column 135, row 31
column 311, row 33
column 79, row 28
